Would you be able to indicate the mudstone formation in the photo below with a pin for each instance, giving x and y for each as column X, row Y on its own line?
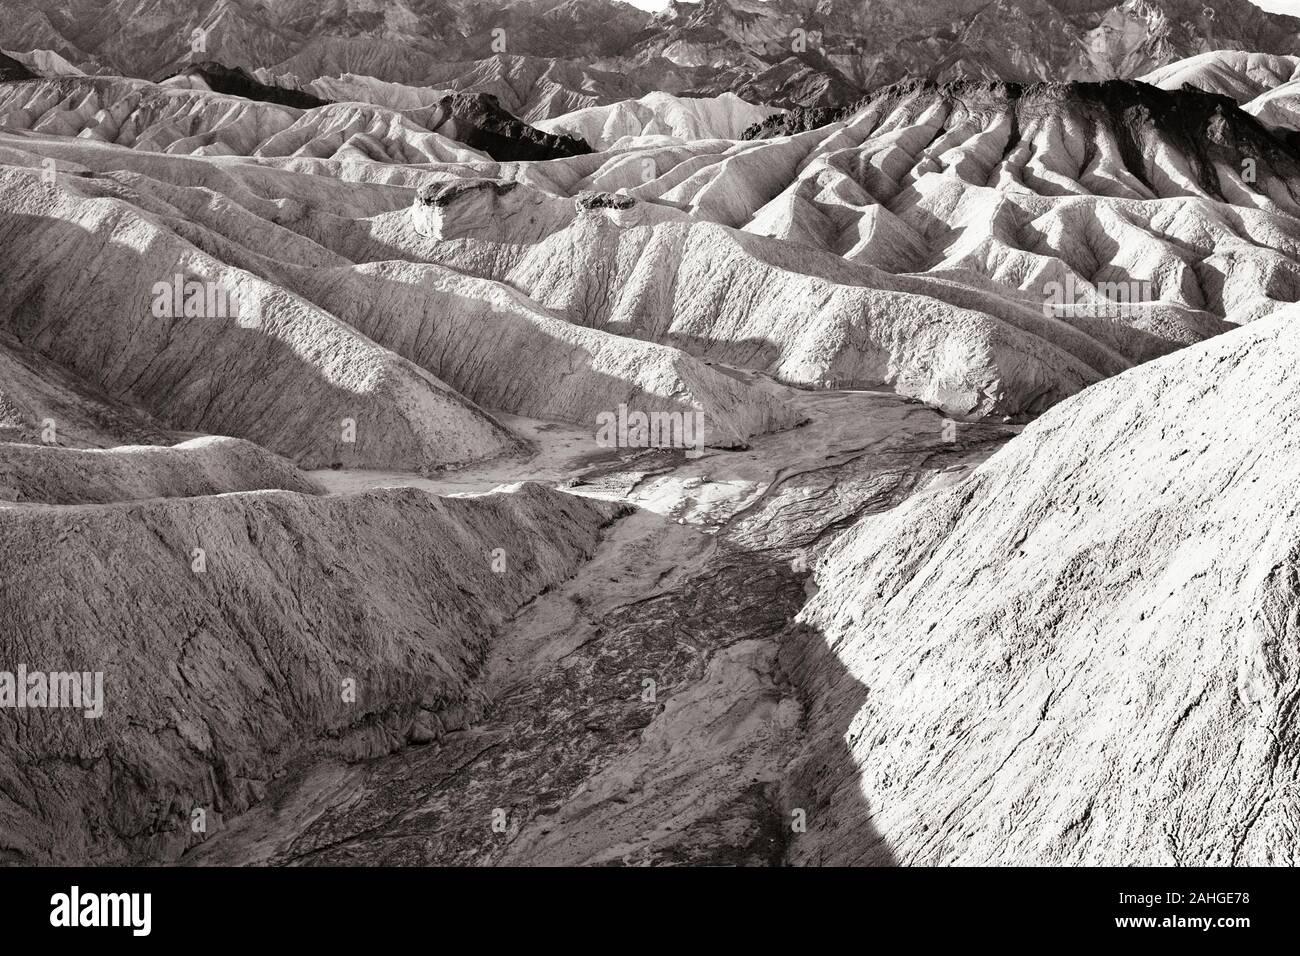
column 649, row 444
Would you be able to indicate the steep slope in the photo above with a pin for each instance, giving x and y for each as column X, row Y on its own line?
column 475, row 119
column 807, row 319
column 211, row 75
column 529, row 87
column 11, row 69
column 1232, row 73
column 468, row 333
column 355, row 88
column 478, row 121
column 1062, row 175
column 270, row 367
column 1278, row 108
column 196, row 121
column 41, row 402
column 301, row 626
column 986, row 247
column 1095, row 633
column 213, row 111
column 43, row 63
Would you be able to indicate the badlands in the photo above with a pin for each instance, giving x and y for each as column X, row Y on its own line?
column 990, row 555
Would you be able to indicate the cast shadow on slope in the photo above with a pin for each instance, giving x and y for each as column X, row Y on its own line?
column 587, row 772
column 827, row 780
column 289, row 384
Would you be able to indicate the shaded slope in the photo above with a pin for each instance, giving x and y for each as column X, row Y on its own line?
column 36, row 394
column 477, row 120
column 237, row 82
column 213, row 682
column 277, row 371
column 200, row 466
column 11, row 69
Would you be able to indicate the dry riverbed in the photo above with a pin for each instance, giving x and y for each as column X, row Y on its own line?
column 637, row 713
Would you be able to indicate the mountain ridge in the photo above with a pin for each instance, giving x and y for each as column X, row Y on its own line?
column 776, row 52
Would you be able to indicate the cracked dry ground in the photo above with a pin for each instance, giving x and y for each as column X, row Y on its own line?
column 695, row 590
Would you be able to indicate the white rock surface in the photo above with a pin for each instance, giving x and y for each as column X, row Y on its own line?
column 1086, row 652
column 675, row 118
column 1279, row 107
column 1236, row 73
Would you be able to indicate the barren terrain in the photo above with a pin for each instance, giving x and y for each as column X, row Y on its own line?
column 459, row 469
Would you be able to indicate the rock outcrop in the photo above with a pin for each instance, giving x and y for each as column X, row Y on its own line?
column 478, row 121
column 210, row 75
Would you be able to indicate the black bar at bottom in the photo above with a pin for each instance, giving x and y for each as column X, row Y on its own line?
column 628, row 906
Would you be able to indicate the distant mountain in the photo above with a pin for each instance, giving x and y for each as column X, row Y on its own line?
column 192, row 113
column 596, row 52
